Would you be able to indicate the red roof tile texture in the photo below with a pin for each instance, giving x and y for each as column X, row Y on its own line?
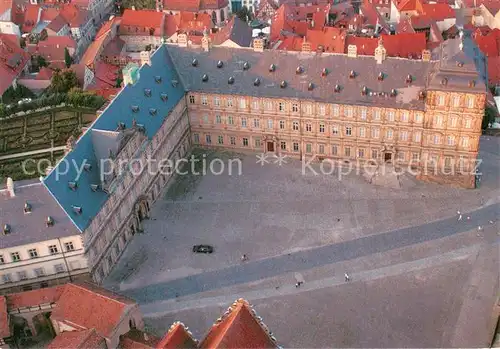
column 4, row 318
column 89, row 306
column 239, row 329
column 13, row 59
column 438, row 12
column 140, row 22
column 494, row 70
column 136, row 339
column 489, row 44
column 76, row 339
column 35, row 297
column 400, row 45
column 194, row 5
column 177, row 337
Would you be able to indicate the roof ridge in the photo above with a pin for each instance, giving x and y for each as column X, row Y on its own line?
column 99, row 294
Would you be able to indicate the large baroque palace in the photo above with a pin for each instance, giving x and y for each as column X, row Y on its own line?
column 304, row 104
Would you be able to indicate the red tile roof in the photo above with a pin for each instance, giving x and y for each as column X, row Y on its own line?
column 76, row 339
column 238, row 329
column 4, row 318
column 89, row 306
column 331, row 39
column 135, row 339
column 492, row 5
column 75, row 16
column 488, row 44
column 438, row 12
column 108, row 93
column 410, row 5
column 399, row 45
column 404, row 26
column 31, row 17
column 57, row 23
column 6, row 5
column 193, row 21
column 35, row 297
column 13, row 59
column 139, row 22
column 49, row 13
column 44, row 74
column 194, row 5
column 177, row 337
column 61, row 40
column 494, row 70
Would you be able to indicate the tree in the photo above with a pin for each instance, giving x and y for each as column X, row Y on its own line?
column 63, row 81
column 41, row 61
column 244, row 14
column 488, row 117
column 67, row 58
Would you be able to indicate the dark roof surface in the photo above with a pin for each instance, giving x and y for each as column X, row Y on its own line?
column 31, row 227
column 395, row 71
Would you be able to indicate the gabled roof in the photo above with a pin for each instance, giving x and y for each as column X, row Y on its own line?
column 75, row 16
column 237, row 31
column 31, row 17
column 88, row 306
column 57, row 23
column 86, row 339
column 239, row 328
column 7, row 5
column 406, row 45
column 159, row 78
column 494, row 70
column 438, row 12
column 32, row 227
column 4, row 318
column 489, row 44
column 13, row 60
column 331, row 39
column 177, row 337
column 143, row 19
column 410, row 5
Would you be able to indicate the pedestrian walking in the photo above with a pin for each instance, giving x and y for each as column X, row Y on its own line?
column 491, row 222
column 479, row 228
column 460, row 217
column 468, row 218
column 346, row 277
column 458, row 212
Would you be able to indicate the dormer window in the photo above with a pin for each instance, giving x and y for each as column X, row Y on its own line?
column 394, row 92
column 380, row 76
column 6, row 229
column 72, row 185
column 94, row 187
column 352, row 74
column 27, row 207
column 147, row 92
column 444, row 81
column 230, row 81
column 409, row 79
column 460, row 64
column 364, row 91
column 283, row 84
column 77, row 209
column 220, row 64
column 204, row 78
column 49, row 221
column 324, row 72
column 336, row 88
column 472, row 83
column 135, row 108
column 152, row 111
column 164, row 97
column 246, row 66
column 272, row 68
column 310, row 87
column 175, row 83
column 256, row 82
column 421, row 95
column 298, row 70
column 121, row 126
column 194, row 62
column 158, row 79
column 87, row 167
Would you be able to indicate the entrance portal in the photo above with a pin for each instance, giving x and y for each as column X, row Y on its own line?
column 388, row 157
column 270, row 146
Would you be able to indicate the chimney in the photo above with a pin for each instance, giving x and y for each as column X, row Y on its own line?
column 182, row 40
column 10, row 187
column 352, row 51
column 380, row 51
column 205, row 41
column 133, row 8
column 306, row 46
column 145, row 57
column 258, row 45
column 426, row 55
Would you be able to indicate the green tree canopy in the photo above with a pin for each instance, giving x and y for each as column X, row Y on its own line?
column 67, row 58
column 244, row 14
column 63, row 81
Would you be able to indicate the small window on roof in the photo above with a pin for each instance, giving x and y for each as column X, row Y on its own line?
column 272, row 68
column 135, row 108
column 77, row 209
column 175, row 83
column 283, row 84
column 230, row 81
column 298, row 70
column 94, row 187
column 336, row 88
column 324, row 72
column 73, row 185
column 152, row 111
column 256, row 82
column 49, row 221
column 220, row 64
column 310, row 87
column 364, row 91
column 380, row 76
column 27, row 207
column 394, row 92
column 6, row 229
column 87, row 167
column 409, row 79
column 246, row 66
column 352, row 74
column 164, row 97
column 194, row 62
column 147, row 92
column 158, row 79
column 204, row 78
column 121, row 126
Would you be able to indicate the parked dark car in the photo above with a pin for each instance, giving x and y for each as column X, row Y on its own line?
column 203, row 249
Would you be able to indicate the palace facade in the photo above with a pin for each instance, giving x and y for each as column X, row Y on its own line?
column 345, row 107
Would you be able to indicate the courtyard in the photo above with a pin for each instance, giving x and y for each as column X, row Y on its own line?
column 293, row 225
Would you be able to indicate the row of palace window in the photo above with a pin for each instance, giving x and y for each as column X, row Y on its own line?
column 270, row 124
column 456, row 101
column 33, row 252
column 307, row 108
column 39, row 272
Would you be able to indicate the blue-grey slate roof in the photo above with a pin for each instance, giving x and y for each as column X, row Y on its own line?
column 159, row 79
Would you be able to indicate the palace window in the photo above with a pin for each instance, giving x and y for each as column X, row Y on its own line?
column 363, row 113
column 208, row 139
column 69, row 246
column 245, row 142
column 255, row 104
column 453, row 122
column 204, row 100
column 348, row 131
column 468, row 123
column 205, row 119
column 281, row 106
column 348, row 112
column 15, row 256
column 232, row 140
column 295, row 107
column 220, row 139
column 2, row 260
column 243, row 122
column 377, row 115
column 308, row 109
column 347, row 151
column 308, row 148
column 191, row 99
column 269, row 105
column 403, row 135
column 440, row 100
column 336, row 110
column 404, row 116
column 388, row 134
column 218, row 119
column 308, row 127
column 438, row 121
column 335, row 149
column 230, row 120
column 243, row 103
column 322, row 127
column 321, row 148
column 283, row 145
column 362, row 132
column 295, row 125
column 418, row 117
column 465, row 141
column 375, row 133
column 33, row 253
column 415, row 156
column 470, row 102
column 257, row 142
column 401, row 155
column 390, row 116
column 456, row 101
column 450, row 140
column 256, row 123
column 270, row 124
column 335, row 130
column 196, row 138
column 374, row 154
column 295, row 146
column 229, row 102
column 447, row 161
column 22, row 275
column 217, row 101
column 282, row 124
column 416, row 137
column 322, row 109
column 361, row 153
